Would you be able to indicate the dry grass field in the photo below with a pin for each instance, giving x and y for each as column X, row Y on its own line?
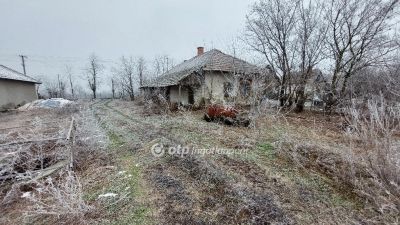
column 283, row 169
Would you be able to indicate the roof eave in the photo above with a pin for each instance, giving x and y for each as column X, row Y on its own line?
column 26, row 81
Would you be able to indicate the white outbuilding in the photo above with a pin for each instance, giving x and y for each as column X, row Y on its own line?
column 16, row 89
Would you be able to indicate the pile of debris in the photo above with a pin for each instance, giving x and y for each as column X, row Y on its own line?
column 227, row 115
column 51, row 103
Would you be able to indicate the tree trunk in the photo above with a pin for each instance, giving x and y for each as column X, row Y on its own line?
column 301, row 100
column 94, row 93
column 282, row 96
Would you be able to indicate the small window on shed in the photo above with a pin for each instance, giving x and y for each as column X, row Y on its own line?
column 245, row 87
column 227, row 89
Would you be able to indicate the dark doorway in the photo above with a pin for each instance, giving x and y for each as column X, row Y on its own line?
column 167, row 94
column 191, row 95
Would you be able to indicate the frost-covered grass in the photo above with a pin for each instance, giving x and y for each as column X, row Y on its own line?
column 56, row 194
column 124, row 204
column 58, row 198
column 263, row 165
column 126, row 184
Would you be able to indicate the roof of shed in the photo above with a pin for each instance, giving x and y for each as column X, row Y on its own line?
column 10, row 74
column 213, row 60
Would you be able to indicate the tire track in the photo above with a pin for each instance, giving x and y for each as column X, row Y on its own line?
column 194, row 189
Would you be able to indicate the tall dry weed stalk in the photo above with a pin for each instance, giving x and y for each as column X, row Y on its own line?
column 61, row 198
column 374, row 154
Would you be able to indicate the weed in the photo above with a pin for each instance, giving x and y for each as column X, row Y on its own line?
column 267, row 149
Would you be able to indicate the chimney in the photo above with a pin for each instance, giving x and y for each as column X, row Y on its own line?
column 200, row 51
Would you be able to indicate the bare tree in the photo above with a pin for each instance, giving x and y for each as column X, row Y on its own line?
column 358, row 37
column 162, row 64
column 55, row 88
column 376, row 82
column 126, row 73
column 52, row 89
column 311, row 31
column 61, row 87
column 141, row 67
column 93, row 72
column 271, row 32
column 391, row 79
column 68, row 70
column 113, row 87
column 81, row 92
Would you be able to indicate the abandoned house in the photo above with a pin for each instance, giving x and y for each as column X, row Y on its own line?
column 16, row 88
column 208, row 78
column 315, row 88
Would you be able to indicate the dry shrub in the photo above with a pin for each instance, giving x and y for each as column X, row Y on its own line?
column 156, row 103
column 367, row 163
column 140, row 100
column 60, row 199
column 24, row 160
column 90, row 147
column 174, row 106
column 37, row 149
column 375, row 146
column 68, row 109
column 31, row 149
column 202, row 104
column 39, row 156
column 12, row 195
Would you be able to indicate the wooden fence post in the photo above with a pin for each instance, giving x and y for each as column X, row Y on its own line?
column 71, row 142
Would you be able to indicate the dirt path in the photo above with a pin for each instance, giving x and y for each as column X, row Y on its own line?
column 255, row 188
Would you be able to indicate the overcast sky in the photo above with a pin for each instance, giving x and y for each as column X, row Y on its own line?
column 53, row 33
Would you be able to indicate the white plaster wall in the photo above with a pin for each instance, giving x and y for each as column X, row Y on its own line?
column 14, row 93
column 174, row 95
column 198, row 95
column 212, row 90
column 214, row 86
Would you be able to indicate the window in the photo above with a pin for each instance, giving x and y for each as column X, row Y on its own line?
column 245, row 87
column 227, row 89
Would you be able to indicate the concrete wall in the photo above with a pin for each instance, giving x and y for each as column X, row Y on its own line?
column 174, row 95
column 210, row 91
column 16, row 93
column 213, row 87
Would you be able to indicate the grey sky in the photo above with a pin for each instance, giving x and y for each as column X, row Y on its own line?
column 53, row 33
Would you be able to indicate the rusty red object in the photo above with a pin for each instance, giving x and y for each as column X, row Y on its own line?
column 219, row 111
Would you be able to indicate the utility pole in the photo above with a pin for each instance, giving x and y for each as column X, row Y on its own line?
column 112, row 88
column 59, row 87
column 23, row 61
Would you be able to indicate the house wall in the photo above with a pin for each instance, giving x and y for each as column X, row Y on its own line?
column 15, row 93
column 174, row 95
column 213, row 87
column 198, row 94
column 209, row 91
